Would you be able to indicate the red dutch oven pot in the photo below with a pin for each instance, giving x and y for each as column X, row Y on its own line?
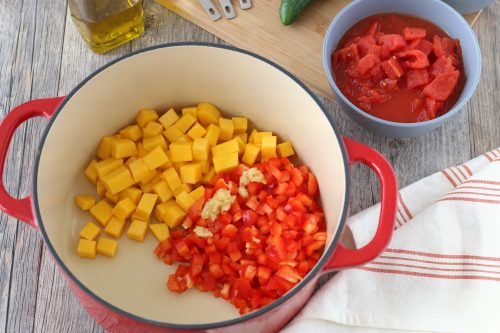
column 127, row 293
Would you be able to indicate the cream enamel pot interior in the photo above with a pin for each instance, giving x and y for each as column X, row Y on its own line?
column 128, row 294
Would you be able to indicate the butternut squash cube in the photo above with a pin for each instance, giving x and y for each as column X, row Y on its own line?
column 130, row 160
column 91, row 172
column 115, row 227
column 227, row 147
column 198, row 193
column 241, row 145
column 183, row 188
column 192, row 110
column 191, row 173
column 212, row 135
column 187, row 120
column 137, row 230
column 124, row 208
column 184, row 138
column 160, row 231
column 118, row 180
column 201, row 149
column 160, row 209
column 268, row 147
column 227, row 162
column 104, row 149
column 172, row 178
column 146, row 205
column 197, row 131
column 121, row 148
column 136, row 216
column 173, row 215
column 139, row 169
column 243, row 137
column 152, row 129
column 133, row 193
column 141, row 152
column 132, row 132
column 285, row 149
column 163, row 190
column 107, row 247
column 90, row 231
column 240, row 124
column 226, row 129
column 252, row 136
column 155, row 158
column 257, row 137
column 146, row 188
column 173, row 133
column 100, row 189
column 108, row 165
column 207, row 177
column 113, row 198
column 208, row 114
column 153, row 142
column 169, row 118
column 85, row 202
column 145, row 116
column 181, row 151
column 102, row 212
column 205, row 166
column 185, row 201
column 87, row 248
column 251, row 154
column 148, row 179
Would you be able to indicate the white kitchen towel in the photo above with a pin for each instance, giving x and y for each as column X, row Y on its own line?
column 440, row 272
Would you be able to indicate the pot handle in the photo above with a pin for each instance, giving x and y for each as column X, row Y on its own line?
column 21, row 208
column 344, row 257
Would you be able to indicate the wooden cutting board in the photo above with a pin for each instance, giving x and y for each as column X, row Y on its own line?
column 298, row 47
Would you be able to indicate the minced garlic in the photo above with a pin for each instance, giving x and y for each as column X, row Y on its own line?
column 220, row 202
column 202, row 232
column 250, row 175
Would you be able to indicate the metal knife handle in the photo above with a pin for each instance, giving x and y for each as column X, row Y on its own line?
column 227, row 9
column 245, row 4
column 209, row 7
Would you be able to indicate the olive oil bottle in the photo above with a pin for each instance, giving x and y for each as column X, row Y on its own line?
column 106, row 24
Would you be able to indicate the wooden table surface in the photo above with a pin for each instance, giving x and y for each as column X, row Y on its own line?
column 42, row 55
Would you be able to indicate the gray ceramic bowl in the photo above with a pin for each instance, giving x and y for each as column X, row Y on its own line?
column 469, row 6
column 433, row 10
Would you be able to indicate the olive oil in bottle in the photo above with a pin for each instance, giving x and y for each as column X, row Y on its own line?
column 106, row 24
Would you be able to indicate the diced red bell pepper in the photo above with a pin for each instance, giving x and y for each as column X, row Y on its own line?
column 366, row 63
column 448, row 46
column 441, row 65
column 431, row 107
column 442, row 86
column 365, row 45
column 425, row 46
column 414, row 59
column 414, row 33
column 394, row 42
column 417, row 78
column 349, row 53
column 393, row 68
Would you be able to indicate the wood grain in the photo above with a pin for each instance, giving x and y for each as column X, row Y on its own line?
column 297, row 47
column 42, row 55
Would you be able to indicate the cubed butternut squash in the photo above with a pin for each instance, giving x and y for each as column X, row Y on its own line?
column 90, row 231
column 226, row 129
column 285, row 149
column 227, row 147
column 198, row 193
column 115, row 227
column 190, row 173
column 168, row 118
column 137, row 230
column 107, row 247
column 145, row 116
column 173, row 133
column 87, row 248
column 173, row 215
column 182, row 188
column 185, row 201
column 133, row 193
column 268, row 148
column 155, row 158
column 113, row 198
column 124, row 208
column 160, row 231
column 146, row 205
column 102, row 212
column 132, row 132
column 91, row 172
column 201, row 149
column 85, row 202
column 153, row 128
column 108, row 165
column 251, row 154
column 225, row 163
column 212, row 135
column 191, row 110
column 207, row 114
column 181, row 151
column 257, row 137
column 185, row 122
column 197, row 131
column 172, row 178
column 121, row 148
column 155, row 141
column 208, row 177
column 104, row 149
column 240, row 124
column 118, row 180
column 163, row 190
